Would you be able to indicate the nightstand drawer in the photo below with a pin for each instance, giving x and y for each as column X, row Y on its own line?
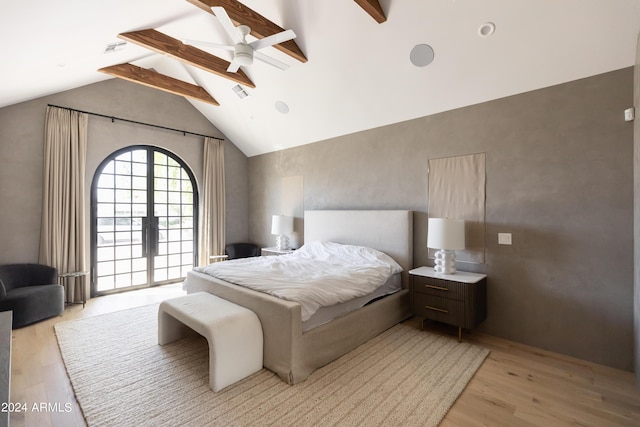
column 438, row 287
column 439, row 309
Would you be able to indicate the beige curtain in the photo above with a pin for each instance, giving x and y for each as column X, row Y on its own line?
column 62, row 233
column 457, row 190
column 212, row 222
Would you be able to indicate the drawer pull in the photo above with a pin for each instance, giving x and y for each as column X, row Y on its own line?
column 440, row 288
column 436, row 309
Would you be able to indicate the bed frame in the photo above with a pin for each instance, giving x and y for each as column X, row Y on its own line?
column 289, row 352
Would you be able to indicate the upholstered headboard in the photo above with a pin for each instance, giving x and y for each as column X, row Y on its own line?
column 389, row 231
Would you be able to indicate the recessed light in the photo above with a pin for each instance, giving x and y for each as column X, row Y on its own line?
column 421, row 55
column 282, row 107
column 487, row 29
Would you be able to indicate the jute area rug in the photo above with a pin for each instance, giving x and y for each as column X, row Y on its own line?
column 122, row 377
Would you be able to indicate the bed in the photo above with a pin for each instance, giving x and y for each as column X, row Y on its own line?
column 294, row 353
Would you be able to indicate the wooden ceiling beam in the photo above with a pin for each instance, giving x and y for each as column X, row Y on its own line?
column 162, row 43
column 260, row 26
column 373, row 8
column 156, row 80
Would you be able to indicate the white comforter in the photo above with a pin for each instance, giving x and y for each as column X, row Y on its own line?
column 318, row 274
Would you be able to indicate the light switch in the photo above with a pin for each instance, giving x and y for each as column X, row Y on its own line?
column 629, row 114
column 504, row 238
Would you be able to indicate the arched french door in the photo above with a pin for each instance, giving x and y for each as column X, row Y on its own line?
column 143, row 220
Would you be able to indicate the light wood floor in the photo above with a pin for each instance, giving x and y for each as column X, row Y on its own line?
column 516, row 386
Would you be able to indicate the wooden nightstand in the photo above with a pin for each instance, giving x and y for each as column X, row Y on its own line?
column 458, row 299
column 274, row 251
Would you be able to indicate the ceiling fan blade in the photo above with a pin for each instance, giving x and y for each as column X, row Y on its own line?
column 273, row 39
column 207, row 44
column 233, row 67
column 227, row 24
column 269, row 60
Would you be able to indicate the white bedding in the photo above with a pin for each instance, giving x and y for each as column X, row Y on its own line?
column 327, row 314
column 317, row 275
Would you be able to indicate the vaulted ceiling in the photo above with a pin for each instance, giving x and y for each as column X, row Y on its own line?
column 349, row 66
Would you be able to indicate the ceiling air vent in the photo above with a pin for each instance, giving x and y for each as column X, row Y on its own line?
column 239, row 90
column 112, row 47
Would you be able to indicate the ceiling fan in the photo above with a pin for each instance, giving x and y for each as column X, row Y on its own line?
column 243, row 52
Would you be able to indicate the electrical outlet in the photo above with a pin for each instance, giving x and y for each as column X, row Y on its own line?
column 504, row 238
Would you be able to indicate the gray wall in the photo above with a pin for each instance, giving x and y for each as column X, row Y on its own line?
column 559, row 178
column 636, row 212
column 21, row 151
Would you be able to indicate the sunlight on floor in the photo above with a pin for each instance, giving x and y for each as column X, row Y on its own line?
column 123, row 301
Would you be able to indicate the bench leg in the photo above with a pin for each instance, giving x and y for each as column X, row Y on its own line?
column 170, row 329
column 216, row 383
column 235, row 351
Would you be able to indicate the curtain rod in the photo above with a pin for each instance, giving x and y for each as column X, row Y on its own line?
column 184, row 132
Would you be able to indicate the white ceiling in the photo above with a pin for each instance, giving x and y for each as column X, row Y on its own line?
column 358, row 75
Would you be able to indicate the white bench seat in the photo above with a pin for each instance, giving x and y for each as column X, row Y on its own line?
column 234, row 334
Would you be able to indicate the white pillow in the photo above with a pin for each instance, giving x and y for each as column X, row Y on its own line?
column 360, row 255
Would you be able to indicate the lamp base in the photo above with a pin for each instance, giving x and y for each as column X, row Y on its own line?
column 445, row 261
column 282, row 242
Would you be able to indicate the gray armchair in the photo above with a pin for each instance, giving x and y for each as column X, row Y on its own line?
column 241, row 250
column 31, row 291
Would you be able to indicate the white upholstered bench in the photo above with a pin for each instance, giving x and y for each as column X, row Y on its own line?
column 234, row 334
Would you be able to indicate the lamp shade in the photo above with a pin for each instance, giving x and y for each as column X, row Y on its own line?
column 445, row 233
column 281, row 224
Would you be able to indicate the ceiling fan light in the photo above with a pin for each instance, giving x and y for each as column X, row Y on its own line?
column 243, row 54
column 244, row 59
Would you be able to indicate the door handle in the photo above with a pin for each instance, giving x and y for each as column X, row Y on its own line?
column 439, row 288
column 428, row 307
column 156, row 235
column 145, row 225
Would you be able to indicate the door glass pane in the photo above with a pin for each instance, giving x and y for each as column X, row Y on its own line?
column 119, row 223
column 144, row 225
column 172, row 188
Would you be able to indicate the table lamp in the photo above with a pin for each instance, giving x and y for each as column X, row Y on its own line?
column 282, row 225
column 446, row 235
